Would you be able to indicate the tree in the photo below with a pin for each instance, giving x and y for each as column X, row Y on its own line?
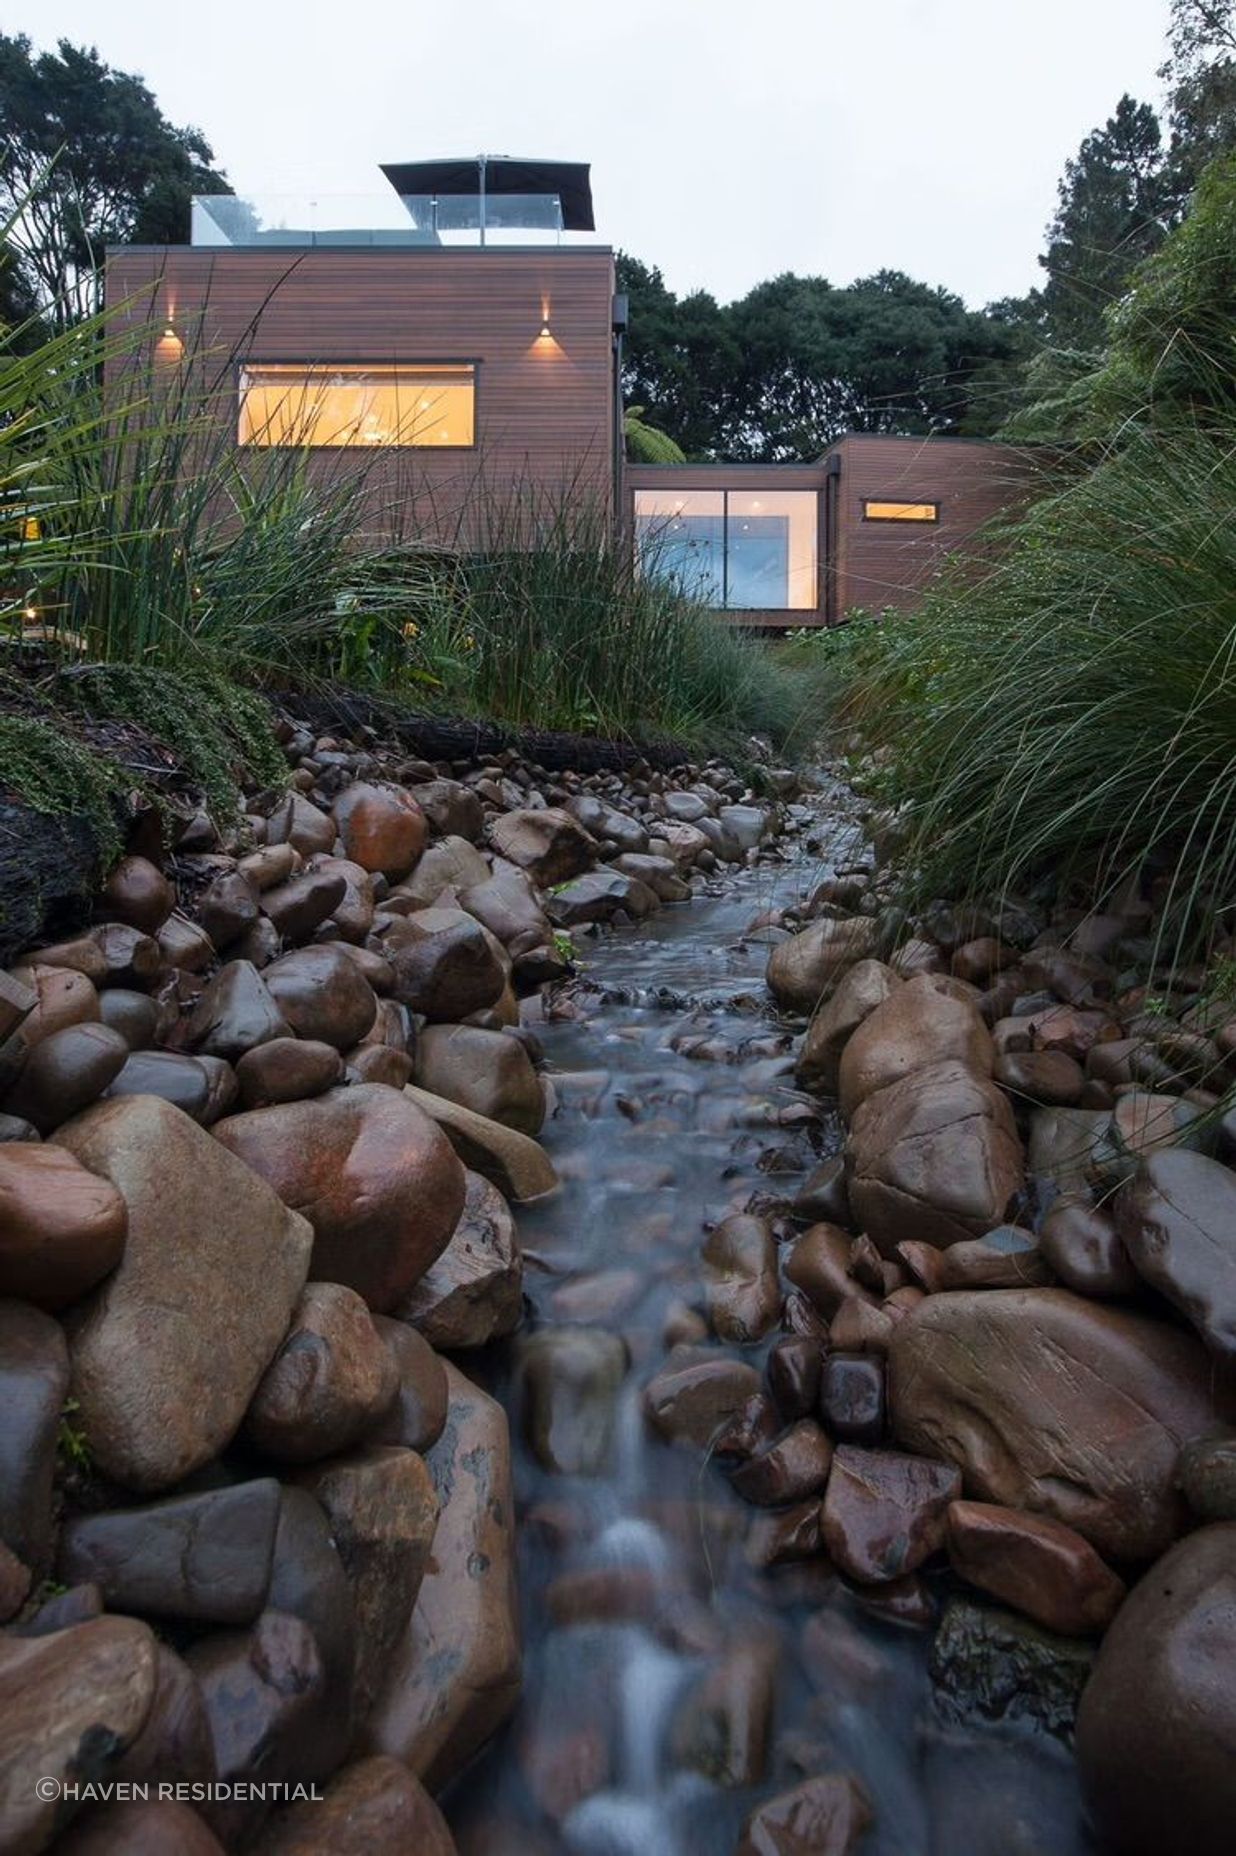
column 645, row 444
column 1200, row 73
column 679, row 360
column 88, row 159
column 1115, row 206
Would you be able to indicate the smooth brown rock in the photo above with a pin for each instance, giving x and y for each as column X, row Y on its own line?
column 197, row 1557
column 259, row 1688
column 140, row 1827
column 62, row 1228
column 185, row 945
column 818, row 1263
column 473, row 1293
column 374, row 1807
column 570, row 1378
column 802, row 968
column 693, row 1397
column 550, row 845
column 71, row 1703
column 383, row 1509
column 308, row 1582
column 884, row 1513
column 741, row 1290
column 382, row 828
column 175, row 1743
column 488, row 1072
column 723, row 1726
column 794, row 1366
column 135, row 1015
column 64, row 1073
column 1206, row 1474
column 287, row 1070
column 934, row 1157
column 235, row 1013
column 920, row 1023
column 452, row 808
column 793, row 1467
column 184, row 1082
column 1061, row 1406
column 1006, row 1257
column 377, row 1181
column 456, row 1675
column 305, row 827
column 1042, row 1076
column 331, row 1381
column 1081, row 1244
column 418, row 1415
column 1177, row 1222
column 851, row 1398
column 515, row 1164
column 323, row 995
column 228, row 908
column 352, row 916
column 160, row 1328
column 62, row 997
column 1036, row 1565
column 506, row 902
column 857, row 994
column 825, row 1816
column 138, row 893
column 1156, row 1732
column 34, row 1379
column 446, row 964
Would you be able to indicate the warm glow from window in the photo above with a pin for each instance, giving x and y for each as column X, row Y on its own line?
column 733, row 549
column 354, row 404
column 874, row 511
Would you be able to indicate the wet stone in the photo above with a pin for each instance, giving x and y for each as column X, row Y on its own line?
column 794, row 1367
column 691, row 1398
column 852, row 1397
column 826, row 1816
column 571, row 1378
column 884, row 1512
column 740, row 1279
column 789, row 1469
column 990, row 1664
column 1206, row 1472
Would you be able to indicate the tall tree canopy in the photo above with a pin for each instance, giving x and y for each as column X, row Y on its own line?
column 88, row 158
column 784, row 371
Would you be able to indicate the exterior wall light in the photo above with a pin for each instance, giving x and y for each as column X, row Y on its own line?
column 169, row 346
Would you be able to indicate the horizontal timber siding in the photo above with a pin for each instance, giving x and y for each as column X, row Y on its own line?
column 544, row 411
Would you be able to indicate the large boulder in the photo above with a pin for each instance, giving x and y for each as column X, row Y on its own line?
column 856, row 996
column 374, row 1807
column 803, row 968
column 382, row 828
column 447, row 965
column 377, row 1181
column 212, row 1267
column 489, row 1072
column 1156, row 1732
column 62, row 1228
column 34, row 1378
column 323, row 994
column 1066, row 1407
column 550, row 845
column 920, row 1023
column 70, row 1704
column 383, row 1509
column 473, row 1293
column 455, row 1676
column 192, row 1557
column 1177, row 1220
column 517, row 1165
column 332, row 1379
column 934, row 1157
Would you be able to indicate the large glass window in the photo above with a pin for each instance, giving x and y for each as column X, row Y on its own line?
column 285, row 403
column 738, row 550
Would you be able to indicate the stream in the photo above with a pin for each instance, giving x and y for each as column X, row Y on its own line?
column 634, row 1581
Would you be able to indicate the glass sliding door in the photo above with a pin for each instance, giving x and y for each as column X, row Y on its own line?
column 737, row 550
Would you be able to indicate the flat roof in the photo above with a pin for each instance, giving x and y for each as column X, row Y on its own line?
column 503, row 174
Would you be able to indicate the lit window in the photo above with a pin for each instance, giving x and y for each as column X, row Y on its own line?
column 876, row 510
column 354, row 404
column 734, row 549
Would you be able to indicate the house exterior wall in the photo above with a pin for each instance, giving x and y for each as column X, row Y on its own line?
column 879, row 564
column 544, row 404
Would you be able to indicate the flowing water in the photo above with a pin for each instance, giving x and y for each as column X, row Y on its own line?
column 635, row 1587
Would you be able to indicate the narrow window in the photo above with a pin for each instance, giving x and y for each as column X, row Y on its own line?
column 347, row 403
column 878, row 509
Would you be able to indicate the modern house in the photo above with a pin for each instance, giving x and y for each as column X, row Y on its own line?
column 468, row 338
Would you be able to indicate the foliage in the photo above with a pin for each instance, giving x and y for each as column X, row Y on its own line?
column 89, row 159
column 1074, row 716
column 45, row 767
column 645, row 444
column 798, row 361
column 219, row 730
column 1114, row 208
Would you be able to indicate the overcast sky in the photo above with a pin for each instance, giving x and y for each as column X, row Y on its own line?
column 729, row 139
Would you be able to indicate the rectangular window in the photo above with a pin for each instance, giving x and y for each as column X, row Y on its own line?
column 347, row 403
column 737, row 550
column 876, row 509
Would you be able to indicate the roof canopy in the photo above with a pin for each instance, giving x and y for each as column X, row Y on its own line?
column 503, row 174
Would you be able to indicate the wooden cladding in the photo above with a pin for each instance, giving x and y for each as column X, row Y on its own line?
column 533, row 325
